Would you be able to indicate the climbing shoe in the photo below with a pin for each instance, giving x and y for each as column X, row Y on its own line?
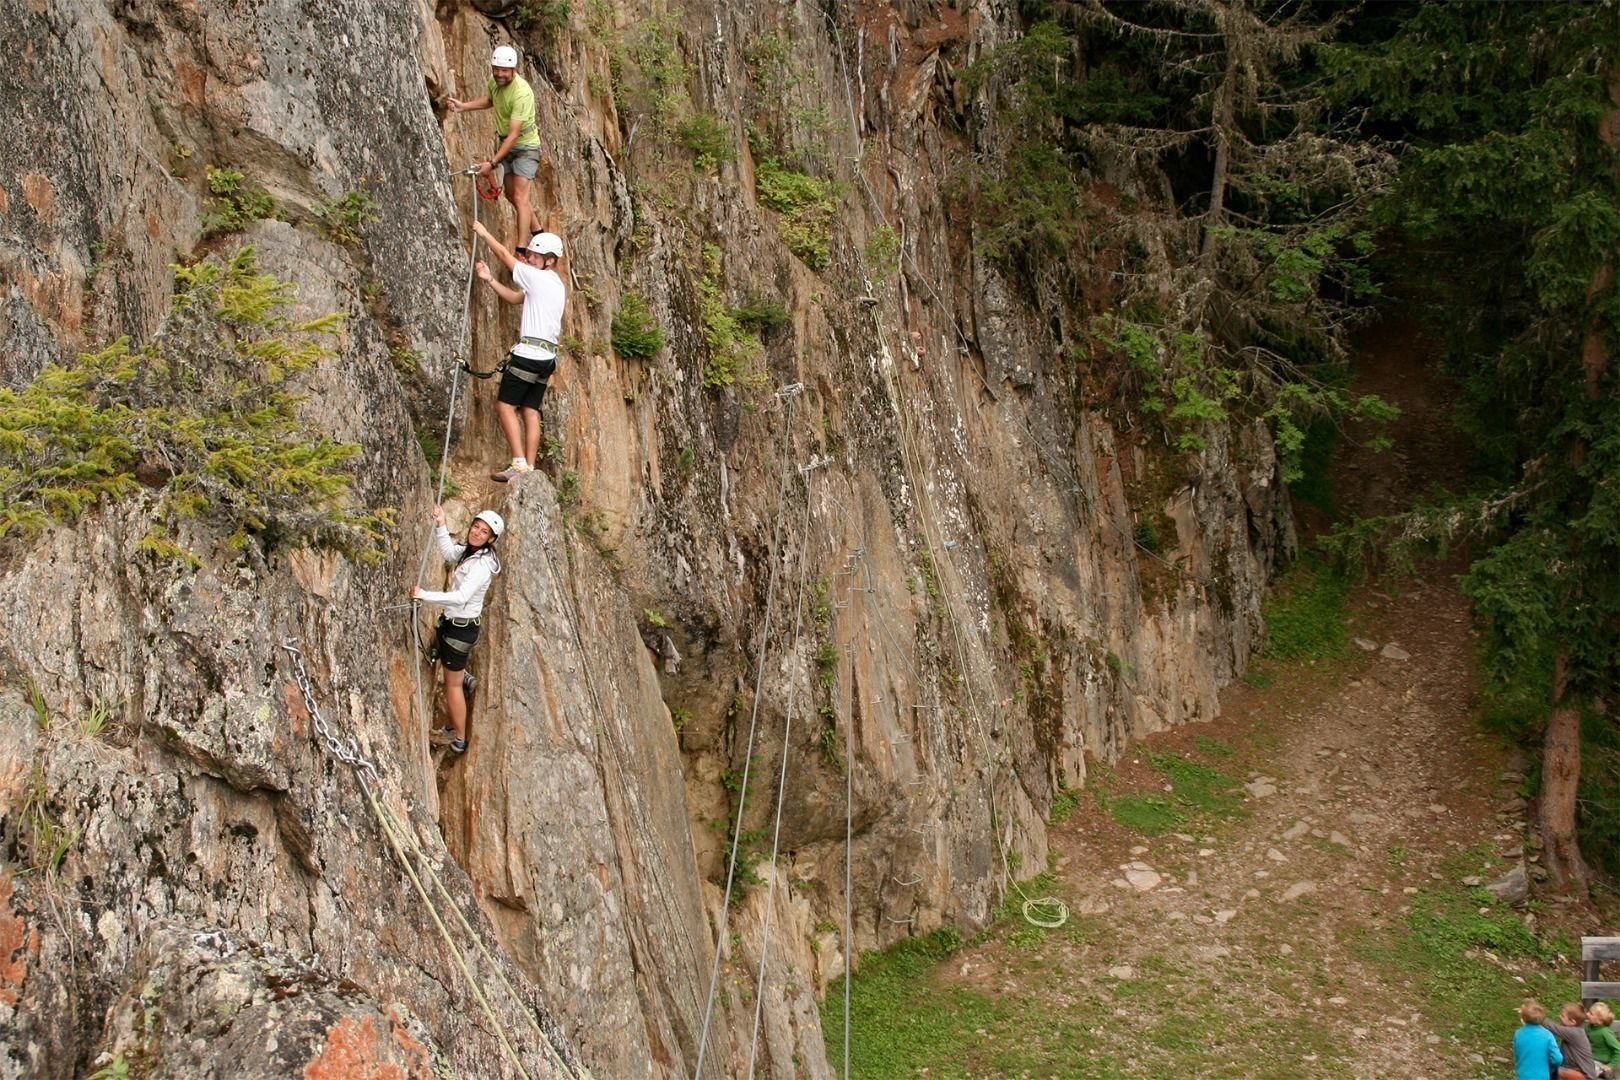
column 458, row 746
column 469, row 684
column 442, row 735
column 510, row 473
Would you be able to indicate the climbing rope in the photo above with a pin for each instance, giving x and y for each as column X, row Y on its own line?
column 781, row 786
column 462, row 355
column 784, row 445
column 404, row 844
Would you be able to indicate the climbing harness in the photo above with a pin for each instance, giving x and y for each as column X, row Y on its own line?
column 414, row 860
column 518, row 371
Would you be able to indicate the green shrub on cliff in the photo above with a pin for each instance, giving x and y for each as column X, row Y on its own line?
column 635, row 334
column 806, row 205
column 205, row 415
column 236, row 202
column 733, row 348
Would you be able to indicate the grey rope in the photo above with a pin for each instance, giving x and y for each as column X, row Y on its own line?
column 781, row 787
column 753, row 723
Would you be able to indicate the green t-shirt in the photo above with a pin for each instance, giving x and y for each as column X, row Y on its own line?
column 516, row 98
column 1605, row 1046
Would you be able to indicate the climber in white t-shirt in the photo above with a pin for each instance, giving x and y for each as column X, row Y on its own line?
column 533, row 359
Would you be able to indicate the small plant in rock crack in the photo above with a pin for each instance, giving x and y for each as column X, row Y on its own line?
column 709, row 140
column 634, row 334
column 236, row 202
column 341, row 220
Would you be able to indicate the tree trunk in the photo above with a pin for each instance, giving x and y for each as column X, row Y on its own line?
column 1221, row 122
column 1561, row 750
column 1560, row 786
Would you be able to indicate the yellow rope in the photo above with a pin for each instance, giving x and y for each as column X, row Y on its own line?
column 384, row 820
column 478, row 942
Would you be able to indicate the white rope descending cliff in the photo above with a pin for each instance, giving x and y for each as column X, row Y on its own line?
column 416, row 862
column 787, row 394
column 461, row 357
column 781, row 780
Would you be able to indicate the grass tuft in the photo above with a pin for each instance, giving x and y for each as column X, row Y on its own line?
column 1305, row 615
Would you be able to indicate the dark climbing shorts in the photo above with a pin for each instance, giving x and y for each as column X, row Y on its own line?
column 522, row 161
column 452, row 644
column 523, row 393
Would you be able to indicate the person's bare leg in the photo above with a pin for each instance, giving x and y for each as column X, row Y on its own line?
column 517, row 193
column 511, row 427
column 455, row 702
column 531, row 434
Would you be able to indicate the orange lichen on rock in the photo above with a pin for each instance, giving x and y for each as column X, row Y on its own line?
column 17, row 941
column 39, row 192
column 351, row 1053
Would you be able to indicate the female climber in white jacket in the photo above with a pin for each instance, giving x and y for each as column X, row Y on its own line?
column 476, row 565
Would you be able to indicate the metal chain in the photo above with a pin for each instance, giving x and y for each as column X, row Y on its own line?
column 342, row 747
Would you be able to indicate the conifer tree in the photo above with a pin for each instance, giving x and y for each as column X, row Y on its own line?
column 1510, row 197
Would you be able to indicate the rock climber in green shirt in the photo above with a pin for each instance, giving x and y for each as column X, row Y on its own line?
column 518, row 151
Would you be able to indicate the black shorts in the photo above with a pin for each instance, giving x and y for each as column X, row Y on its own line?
column 519, row 392
column 452, row 644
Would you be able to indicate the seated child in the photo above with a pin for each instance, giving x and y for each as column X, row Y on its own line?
column 1579, row 1064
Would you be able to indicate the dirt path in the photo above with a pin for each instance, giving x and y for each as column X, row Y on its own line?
column 1293, row 890
column 1230, row 945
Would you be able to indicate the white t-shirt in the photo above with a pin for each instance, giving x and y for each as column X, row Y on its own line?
column 544, row 295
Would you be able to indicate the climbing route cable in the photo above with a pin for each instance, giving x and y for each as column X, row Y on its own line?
column 463, row 350
column 783, row 447
column 909, row 452
column 781, row 782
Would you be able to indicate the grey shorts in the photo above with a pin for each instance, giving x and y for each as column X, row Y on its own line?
column 523, row 161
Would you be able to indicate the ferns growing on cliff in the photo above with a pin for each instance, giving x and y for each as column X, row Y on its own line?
column 205, row 415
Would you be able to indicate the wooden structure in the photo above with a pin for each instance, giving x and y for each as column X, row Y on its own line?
column 1595, row 950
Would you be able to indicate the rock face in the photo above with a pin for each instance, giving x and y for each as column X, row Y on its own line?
column 895, row 547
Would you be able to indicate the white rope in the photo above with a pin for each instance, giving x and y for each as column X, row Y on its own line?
column 759, row 683
column 781, row 785
column 463, row 342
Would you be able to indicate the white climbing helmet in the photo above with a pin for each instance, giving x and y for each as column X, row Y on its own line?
column 504, row 56
column 546, row 243
column 493, row 520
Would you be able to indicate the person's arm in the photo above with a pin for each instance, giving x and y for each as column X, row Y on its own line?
column 475, row 575
column 508, row 259
column 473, row 105
column 448, row 548
column 505, row 292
